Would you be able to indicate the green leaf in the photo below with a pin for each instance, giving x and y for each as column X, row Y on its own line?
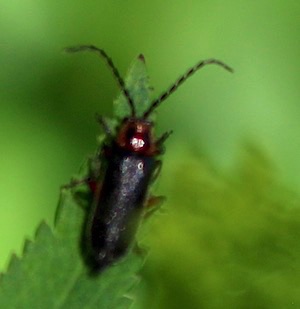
column 137, row 84
column 52, row 272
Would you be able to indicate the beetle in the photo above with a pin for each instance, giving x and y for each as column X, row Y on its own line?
column 129, row 164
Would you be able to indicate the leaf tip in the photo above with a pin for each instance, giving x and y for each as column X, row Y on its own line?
column 27, row 245
column 141, row 57
column 14, row 259
column 43, row 228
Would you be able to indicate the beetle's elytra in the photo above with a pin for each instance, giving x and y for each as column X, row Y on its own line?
column 129, row 162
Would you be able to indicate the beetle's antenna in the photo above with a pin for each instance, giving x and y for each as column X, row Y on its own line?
column 182, row 79
column 110, row 63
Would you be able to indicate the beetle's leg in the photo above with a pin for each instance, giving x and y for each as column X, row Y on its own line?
column 157, row 170
column 159, row 142
column 154, row 202
column 138, row 250
column 75, row 182
column 152, row 205
column 94, row 166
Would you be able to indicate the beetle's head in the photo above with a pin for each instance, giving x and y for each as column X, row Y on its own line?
column 136, row 135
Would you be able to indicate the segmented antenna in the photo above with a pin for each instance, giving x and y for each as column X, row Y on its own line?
column 182, row 79
column 110, row 63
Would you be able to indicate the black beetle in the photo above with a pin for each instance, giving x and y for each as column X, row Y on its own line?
column 128, row 166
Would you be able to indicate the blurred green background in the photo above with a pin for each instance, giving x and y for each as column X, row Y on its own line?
column 48, row 99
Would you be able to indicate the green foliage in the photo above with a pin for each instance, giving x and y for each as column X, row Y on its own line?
column 227, row 241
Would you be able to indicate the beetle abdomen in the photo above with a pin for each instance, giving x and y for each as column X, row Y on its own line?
column 119, row 206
